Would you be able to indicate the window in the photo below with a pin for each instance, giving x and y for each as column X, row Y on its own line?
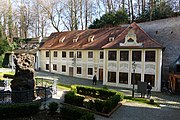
column 63, row 68
column 47, row 66
column 78, row 70
column 137, row 78
column 112, row 77
column 79, row 54
column 150, row 56
column 124, row 55
column 101, row 55
column 47, row 53
column 112, row 55
column 55, row 67
column 90, row 71
column 90, row 54
column 136, row 55
column 123, row 78
column 55, row 54
column 63, row 54
column 71, row 54
column 149, row 78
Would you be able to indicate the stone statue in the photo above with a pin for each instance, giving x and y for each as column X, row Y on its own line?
column 23, row 83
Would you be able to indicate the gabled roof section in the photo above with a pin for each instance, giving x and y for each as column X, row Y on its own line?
column 100, row 38
column 143, row 40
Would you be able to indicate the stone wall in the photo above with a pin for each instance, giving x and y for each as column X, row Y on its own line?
column 167, row 33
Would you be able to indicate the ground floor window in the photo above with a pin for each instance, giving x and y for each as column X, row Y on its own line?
column 149, row 78
column 55, row 67
column 112, row 77
column 90, row 71
column 63, row 68
column 47, row 66
column 79, row 70
column 123, row 78
column 137, row 78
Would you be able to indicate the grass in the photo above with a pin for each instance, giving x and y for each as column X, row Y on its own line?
column 142, row 100
column 64, row 86
column 2, row 73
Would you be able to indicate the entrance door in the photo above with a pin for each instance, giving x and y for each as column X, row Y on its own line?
column 100, row 74
column 177, row 89
column 70, row 71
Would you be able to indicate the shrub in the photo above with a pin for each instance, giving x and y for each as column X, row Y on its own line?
column 53, row 106
column 73, row 99
column 74, row 113
column 19, row 110
column 151, row 101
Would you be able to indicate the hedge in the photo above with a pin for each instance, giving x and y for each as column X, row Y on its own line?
column 73, row 99
column 74, row 113
column 93, row 92
column 105, row 101
column 19, row 110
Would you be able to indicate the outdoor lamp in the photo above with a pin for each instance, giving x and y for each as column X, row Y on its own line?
column 134, row 68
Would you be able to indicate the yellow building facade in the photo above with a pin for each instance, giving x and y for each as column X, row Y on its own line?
column 108, row 53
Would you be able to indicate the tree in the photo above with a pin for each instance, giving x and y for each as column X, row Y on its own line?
column 110, row 20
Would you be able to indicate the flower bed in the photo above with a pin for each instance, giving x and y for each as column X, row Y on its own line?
column 95, row 99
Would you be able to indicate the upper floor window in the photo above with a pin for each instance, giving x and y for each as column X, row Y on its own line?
column 90, row 54
column 136, row 55
column 101, row 55
column 55, row 54
column 47, row 53
column 124, row 55
column 112, row 55
column 79, row 54
column 150, row 56
column 71, row 54
column 63, row 54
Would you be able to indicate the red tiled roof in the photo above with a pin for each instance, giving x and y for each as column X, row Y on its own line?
column 100, row 41
column 142, row 37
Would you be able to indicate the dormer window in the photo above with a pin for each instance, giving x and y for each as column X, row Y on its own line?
column 130, row 40
column 91, row 38
column 75, row 39
column 62, row 40
column 111, row 39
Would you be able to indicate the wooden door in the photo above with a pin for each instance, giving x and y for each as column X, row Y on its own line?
column 100, row 74
column 71, row 71
column 177, row 89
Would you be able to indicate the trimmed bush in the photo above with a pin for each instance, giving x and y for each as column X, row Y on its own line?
column 94, row 92
column 102, row 100
column 73, row 99
column 19, row 110
column 53, row 106
column 74, row 113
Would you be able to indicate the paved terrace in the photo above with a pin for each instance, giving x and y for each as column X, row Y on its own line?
column 172, row 101
column 170, row 109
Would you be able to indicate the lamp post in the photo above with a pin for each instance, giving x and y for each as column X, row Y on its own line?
column 134, row 68
column 12, row 54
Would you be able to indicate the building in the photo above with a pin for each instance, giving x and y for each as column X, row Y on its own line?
column 107, row 52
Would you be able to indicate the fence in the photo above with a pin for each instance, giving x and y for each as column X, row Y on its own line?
column 41, row 93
